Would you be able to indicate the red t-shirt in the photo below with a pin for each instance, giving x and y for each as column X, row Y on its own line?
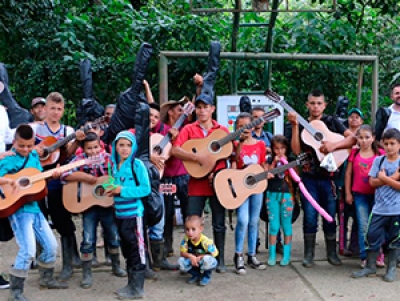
column 251, row 154
column 200, row 187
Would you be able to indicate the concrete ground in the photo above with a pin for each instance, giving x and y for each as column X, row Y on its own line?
column 322, row 282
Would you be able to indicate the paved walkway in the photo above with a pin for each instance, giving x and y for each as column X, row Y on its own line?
column 322, row 282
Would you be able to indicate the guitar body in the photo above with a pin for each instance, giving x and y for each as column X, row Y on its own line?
column 165, row 151
column 204, row 146
column 80, row 196
column 231, row 187
column 53, row 157
column 27, row 192
column 339, row 155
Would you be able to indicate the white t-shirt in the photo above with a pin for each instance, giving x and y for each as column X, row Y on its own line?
column 394, row 119
column 6, row 136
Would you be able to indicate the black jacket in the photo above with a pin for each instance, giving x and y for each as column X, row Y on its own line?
column 382, row 118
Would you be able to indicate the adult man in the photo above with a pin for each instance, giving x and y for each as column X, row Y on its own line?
column 38, row 109
column 175, row 173
column 387, row 118
column 318, row 181
column 259, row 132
column 355, row 119
column 109, row 111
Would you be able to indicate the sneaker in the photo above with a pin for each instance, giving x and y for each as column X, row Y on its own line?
column 205, row 278
column 239, row 264
column 363, row 263
column 4, row 284
column 380, row 261
column 253, row 262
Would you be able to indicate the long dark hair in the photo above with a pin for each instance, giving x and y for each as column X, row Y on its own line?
column 282, row 140
column 375, row 144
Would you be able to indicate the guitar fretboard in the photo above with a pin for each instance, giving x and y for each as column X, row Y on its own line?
column 49, row 173
column 167, row 138
column 262, row 176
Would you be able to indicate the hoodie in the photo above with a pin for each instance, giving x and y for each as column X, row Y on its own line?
column 129, row 203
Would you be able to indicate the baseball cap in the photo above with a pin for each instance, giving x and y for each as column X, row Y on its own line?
column 37, row 101
column 357, row 111
column 205, row 97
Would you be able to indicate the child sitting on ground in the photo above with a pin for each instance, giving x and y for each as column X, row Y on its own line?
column 198, row 252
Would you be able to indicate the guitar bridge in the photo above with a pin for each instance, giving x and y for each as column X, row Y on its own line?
column 232, row 188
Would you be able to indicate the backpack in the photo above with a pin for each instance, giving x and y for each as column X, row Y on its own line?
column 153, row 204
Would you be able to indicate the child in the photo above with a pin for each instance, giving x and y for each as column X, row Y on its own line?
column 384, row 221
column 247, row 151
column 357, row 188
column 28, row 223
column 279, row 202
column 198, row 252
column 91, row 217
column 131, row 185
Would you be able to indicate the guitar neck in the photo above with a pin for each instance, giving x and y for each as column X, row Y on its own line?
column 301, row 120
column 237, row 133
column 177, row 125
column 61, row 143
column 262, row 176
column 48, row 174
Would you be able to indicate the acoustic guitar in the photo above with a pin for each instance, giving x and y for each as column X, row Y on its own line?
column 161, row 145
column 51, row 146
column 314, row 132
column 31, row 186
column 80, row 196
column 218, row 146
column 234, row 186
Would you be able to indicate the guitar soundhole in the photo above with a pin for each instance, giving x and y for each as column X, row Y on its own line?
column 319, row 136
column 24, row 182
column 99, row 191
column 215, row 147
column 250, row 180
column 157, row 149
column 45, row 155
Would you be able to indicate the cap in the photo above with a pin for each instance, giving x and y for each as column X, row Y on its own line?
column 167, row 105
column 37, row 101
column 357, row 111
column 205, row 97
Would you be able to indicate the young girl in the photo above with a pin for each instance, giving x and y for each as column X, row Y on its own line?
column 279, row 202
column 357, row 187
column 247, row 151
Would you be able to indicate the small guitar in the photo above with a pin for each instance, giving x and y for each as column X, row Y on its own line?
column 218, row 146
column 31, row 186
column 314, row 132
column 51, row 146
column 167, row 189
column 161, row 145
column 234, row 186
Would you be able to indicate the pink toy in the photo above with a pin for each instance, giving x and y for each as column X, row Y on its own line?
column 305, row 192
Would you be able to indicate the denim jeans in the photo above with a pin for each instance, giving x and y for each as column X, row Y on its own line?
column 196, row 206
column 248, row 215
column 208, row 263
column 90, row 219
column 323, row 193
column 156, row 232
column 363, row 204
column 29, row 228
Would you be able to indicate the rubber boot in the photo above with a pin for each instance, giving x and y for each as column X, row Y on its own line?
column 205, row 278
column 95, row 262
column 390, row 275
column 309, row 249
column 107, row 256
column 17, row 289
column 272, row 255
column 116, row 266
column 87, row 279
column 66, row 248
column 330, row 241
column 370, row 267
column 219, row 239
column 135, row 287
column 148, row 272
column 195, row 272
column 76, row 259
column 47, row 280
column 287, row 249
column 168, row 250
column 160, row 262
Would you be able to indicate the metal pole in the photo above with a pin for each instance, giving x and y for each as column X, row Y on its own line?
column 235, row 32
column 375, row 89
column 163, row 72
column 360, row 84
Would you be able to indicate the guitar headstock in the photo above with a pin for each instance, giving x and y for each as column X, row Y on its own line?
column 188, row 108
column 272, row 95
column 167, row 188
column 95, row 160
column 101, row 122
column 303, row 158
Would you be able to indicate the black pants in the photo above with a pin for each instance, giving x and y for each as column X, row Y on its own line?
column 196, row 206
column 61, row 218
column 181, row 183
column 132, row 242
column 383, row 228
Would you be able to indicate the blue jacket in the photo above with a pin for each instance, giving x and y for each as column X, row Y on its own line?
column 129, row 203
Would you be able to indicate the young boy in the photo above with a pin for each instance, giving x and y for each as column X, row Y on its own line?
column 131, row 185
column 384, row 221
column 91, row 217
column 198, row 252
column 28, row 223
